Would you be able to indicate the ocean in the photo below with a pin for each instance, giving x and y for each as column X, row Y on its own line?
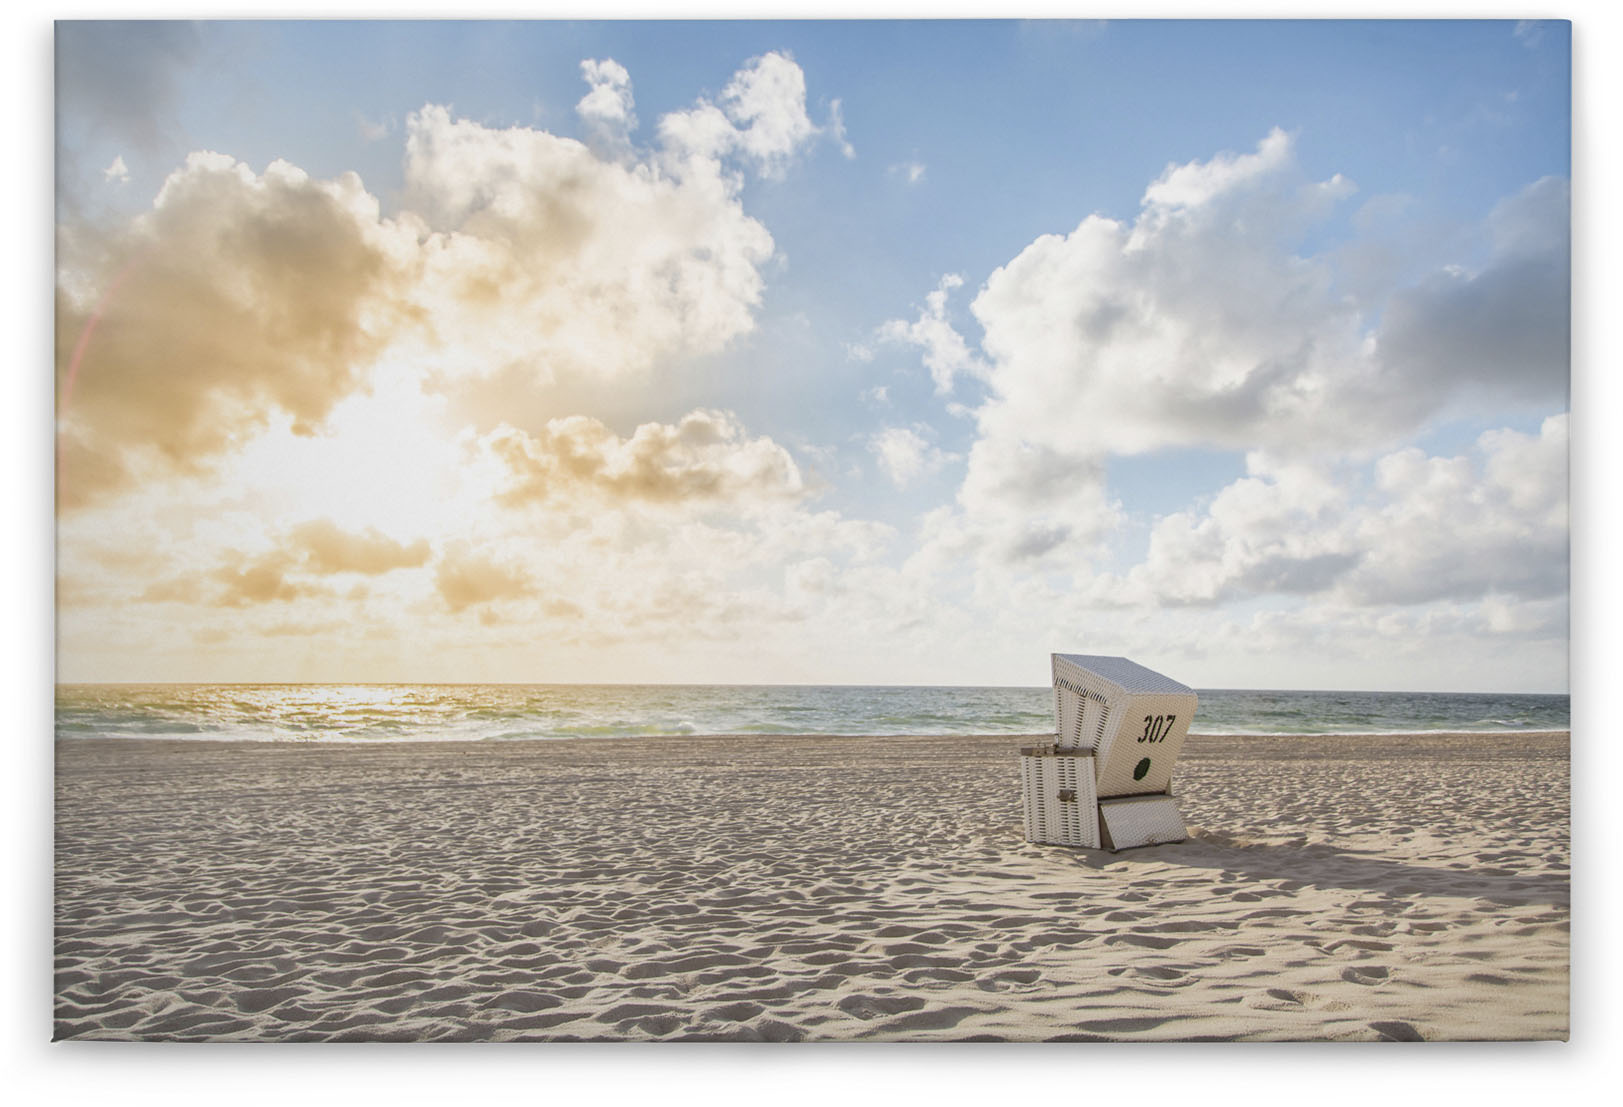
column 509, row 712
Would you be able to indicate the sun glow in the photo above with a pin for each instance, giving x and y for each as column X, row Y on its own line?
column 382, row 460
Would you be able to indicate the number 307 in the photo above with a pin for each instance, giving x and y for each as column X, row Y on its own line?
column 1157, row 727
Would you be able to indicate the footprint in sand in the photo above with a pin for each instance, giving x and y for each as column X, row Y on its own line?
column 1009, row 980
column 735, row 1012
column 937, row 976
column 1161, row 974
column 655, row 1026
column 626, row 1012
column 525, row 1002
column 865, row 1006
column 940, row 1018
column 1289, row 999
column 1128, row 1025
column 1282, row 999
column 1148, row 941
column 773, row 1030
column 1375, row 930
column 1359, row 943
column 1365, row 974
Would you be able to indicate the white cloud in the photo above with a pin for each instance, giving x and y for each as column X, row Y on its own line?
column 118, row 172
column 1529, row 31
column 836, row 129
column 556, row 260
column 905, row 455
column 912, row 172
column 1490, row 523
column 767, row 100
column 814, row 577
column 1281, row 529
column 1461, row 528
column 1026, row 504
column 1201, row 324
column 946, row 353
column 377, row 131
column 1199, row 183
column 607, row 110
column 1196, row 324
column 761, row 117
column 551, row 259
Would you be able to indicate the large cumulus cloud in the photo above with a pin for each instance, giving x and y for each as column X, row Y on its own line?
column 1204, row 322
column 1193, row 324
column 242, row 299
column 541, row 254
column 239, row 297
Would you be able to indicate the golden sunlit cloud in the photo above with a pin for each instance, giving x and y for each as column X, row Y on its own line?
column 466, row 579
column 237, row 297
column 244, row 302
column 261, row 580
column 703, row 459
column 332, row 550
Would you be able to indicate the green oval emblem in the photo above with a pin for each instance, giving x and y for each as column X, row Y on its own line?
column 1141, row 768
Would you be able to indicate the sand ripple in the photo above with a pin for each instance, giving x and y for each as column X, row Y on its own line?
column 786, row 889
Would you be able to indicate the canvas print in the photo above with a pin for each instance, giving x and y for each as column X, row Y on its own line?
column 905, row 531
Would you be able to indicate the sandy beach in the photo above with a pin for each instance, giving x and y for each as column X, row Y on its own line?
column 804, row 888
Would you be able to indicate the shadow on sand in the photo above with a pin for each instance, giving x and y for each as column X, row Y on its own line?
column 1291, row 866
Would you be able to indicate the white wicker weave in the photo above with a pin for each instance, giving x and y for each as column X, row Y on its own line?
column 1061, row 807
column 1140, row 821
column 1132, row 719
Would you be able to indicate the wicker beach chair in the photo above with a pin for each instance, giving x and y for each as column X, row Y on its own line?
column 1106, row 780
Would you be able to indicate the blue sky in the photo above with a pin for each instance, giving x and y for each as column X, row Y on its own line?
column 1238, row 348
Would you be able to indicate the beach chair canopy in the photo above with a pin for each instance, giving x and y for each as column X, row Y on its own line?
column 1132, row 718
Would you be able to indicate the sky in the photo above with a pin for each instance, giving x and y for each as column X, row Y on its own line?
column 883, row 352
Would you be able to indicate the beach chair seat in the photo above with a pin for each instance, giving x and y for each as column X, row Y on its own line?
column 1131, row 821
column 1061, row 807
